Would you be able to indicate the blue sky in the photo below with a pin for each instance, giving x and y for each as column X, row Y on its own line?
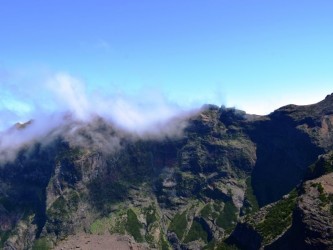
column 256, row 55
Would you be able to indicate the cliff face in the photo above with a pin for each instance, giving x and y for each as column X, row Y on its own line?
column 184, row 192
column 302, row 220
column 283, row 154
column 288, row 141
column 314, row 213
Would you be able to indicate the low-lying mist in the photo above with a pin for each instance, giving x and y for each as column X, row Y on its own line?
column 62, row 105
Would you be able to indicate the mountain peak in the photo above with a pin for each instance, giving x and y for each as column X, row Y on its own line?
column 329, row 98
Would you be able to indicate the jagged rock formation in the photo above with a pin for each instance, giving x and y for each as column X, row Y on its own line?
column 184, row 192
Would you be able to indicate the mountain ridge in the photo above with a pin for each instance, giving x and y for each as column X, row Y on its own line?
column 183, row 192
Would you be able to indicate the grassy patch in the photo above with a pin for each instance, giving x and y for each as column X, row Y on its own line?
column 74, row 200
column 100, row 226
column 210, row 246
column 250, row 201
column 151, row 216
column 119, row 227
column 326, row 199
column 278, row 218
column 196, row 232
column 224, row 246
column 41, row 244
column 206, row 211
column 178, row 225
column 227, row 217
column 63, row 207
column 133, row 225
column 118, row 221
column 149, row 238
column 58, row 209
column 217, row 205
column 323, row 198
column 164, row 244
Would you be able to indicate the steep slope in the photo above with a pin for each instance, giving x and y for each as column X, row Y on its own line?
column 283, row 154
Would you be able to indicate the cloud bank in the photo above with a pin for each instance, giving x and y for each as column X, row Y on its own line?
column 61, row 104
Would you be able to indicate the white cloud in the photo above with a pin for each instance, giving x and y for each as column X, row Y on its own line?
column 61, row 99
column 69, row 93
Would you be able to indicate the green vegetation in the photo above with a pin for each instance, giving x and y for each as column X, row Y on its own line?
column 119, row 227
column 69, row 154
column 214, row 245
column 217, row 206
column 250, row 201
column 196, row 232
column 41, row 244
column 227, row 218
column 321, row 167
column 116, row 222
column 178, row 225
column 164, row 243
column 320, row 188
column 211, row 245
column 58, row 208
column 4, row 235
column 206, row 211
column 224, row 246
column 100, row 226
column 103, row 192
column 64, row 206
column 133, row 225
column 73, row 199
column 324, row 198
column 149, row 238
column 278, row 218
column 61, row 211
column 151, row 216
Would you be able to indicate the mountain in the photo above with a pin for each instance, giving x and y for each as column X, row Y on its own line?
column 213, row 185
